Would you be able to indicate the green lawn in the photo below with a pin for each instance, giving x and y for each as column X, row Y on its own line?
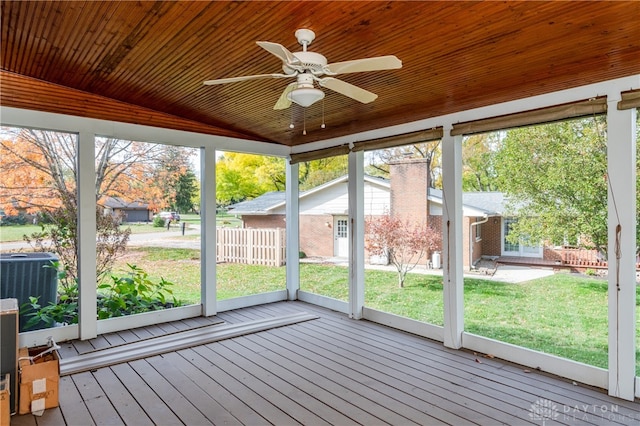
column 563, row 314
column 15, row 232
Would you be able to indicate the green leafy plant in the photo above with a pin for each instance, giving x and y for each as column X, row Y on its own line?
column 134, row 294
column 158, row 222
column 65, row 311
column 131, row 294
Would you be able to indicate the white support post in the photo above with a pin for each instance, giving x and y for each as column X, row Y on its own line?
column 208, row 231
column 87, row 322
column 621, row 164
column 356, row 233
column 292, row 231
column 453, row 280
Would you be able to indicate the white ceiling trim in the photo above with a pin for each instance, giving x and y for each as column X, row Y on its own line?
column 609, row 87
column 17, row 117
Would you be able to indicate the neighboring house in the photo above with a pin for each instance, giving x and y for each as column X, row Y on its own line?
column 324, row 210
column 323, row 213
column 134, row 211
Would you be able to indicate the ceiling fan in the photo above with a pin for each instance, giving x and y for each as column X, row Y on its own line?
column 309, row 68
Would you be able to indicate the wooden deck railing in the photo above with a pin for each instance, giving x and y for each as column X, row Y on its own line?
column 251, row 246
column 582, row 257
column 577, row 256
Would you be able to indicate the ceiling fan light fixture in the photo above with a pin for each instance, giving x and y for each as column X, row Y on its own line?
column 305, row 96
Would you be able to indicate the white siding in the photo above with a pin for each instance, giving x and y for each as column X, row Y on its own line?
column 334, row 200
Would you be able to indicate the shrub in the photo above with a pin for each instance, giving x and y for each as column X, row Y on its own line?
column 13, row 220
column 132, row 294
column 158, row 222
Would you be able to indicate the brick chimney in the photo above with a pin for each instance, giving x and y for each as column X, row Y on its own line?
column 409, row 180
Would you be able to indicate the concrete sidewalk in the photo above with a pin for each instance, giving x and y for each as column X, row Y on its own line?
column 503, row 273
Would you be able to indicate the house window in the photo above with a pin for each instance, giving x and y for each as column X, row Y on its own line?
column 341, row 231
column 478, row 232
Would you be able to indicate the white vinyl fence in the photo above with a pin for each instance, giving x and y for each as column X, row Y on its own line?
column 251, row 246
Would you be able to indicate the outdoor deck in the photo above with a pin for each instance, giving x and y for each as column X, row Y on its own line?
column 329, row 370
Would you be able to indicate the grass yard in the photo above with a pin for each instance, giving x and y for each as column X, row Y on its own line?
column 563, row 314
column 15, row 232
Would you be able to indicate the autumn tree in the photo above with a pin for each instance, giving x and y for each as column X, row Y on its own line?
column 404, row 243
column 40, row 173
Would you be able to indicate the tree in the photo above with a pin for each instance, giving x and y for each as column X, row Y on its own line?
column 246, row 176
column 316, row 172
column 478, row 170
column 186, row 189
column 172, row 179
column 237, row 178
column 555, row 177
column 378, row 160
column 39, row 171
column 404, row 243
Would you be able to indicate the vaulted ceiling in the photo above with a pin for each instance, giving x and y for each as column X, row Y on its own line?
column 144, row 62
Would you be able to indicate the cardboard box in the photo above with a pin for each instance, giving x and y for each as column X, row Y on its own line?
column 39, row 379
column 5, row 411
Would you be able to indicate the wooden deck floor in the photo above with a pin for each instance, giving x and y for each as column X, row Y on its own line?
column 330, row 370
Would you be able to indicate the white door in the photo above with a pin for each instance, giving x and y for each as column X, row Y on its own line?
column 341, row 236
column 517, row 249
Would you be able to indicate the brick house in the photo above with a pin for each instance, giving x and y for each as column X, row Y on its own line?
column 324, row 210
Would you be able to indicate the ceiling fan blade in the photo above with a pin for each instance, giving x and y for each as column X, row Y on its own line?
column 284, row 102
column 244, row 78
column 347, row 89
column 280, row 51
column 367, row 64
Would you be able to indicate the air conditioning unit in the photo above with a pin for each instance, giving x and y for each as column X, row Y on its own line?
column 28, row 274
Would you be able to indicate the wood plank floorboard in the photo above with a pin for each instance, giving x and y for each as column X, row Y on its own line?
column 187, row 386
column 409, row 388
column 72, row 406
column 151, row 403
column 191, row 364
column 235, row 386
column 460, row 372
column 174, row 400
column 327, row 371
column 310, row 356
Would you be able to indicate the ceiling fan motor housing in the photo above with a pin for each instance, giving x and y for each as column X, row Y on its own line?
column 311, row 61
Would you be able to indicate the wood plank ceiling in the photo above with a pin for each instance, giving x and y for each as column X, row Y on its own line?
column 144, row 62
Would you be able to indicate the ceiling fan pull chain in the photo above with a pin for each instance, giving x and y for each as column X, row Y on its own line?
column 304, row 121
